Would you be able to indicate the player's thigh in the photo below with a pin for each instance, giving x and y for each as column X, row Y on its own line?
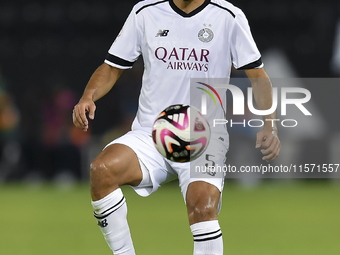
column 116, row 165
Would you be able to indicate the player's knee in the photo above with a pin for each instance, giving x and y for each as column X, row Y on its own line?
column 202, row 201
column 104, row 174
column 201, row 211
column 103, row 177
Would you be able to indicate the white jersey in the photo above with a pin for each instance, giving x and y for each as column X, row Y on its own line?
column 177, row 46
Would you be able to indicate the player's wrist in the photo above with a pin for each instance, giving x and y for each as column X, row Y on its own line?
column 270, row 128
column 87, row 97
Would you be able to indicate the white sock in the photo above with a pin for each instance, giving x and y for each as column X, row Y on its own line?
column 111, row 212
column 207, row 238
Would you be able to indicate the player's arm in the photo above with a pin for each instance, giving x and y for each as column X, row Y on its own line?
column 99, row 85
column 267, row 139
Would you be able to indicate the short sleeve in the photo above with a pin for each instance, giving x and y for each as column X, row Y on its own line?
column 126, row 49
column 244, row 52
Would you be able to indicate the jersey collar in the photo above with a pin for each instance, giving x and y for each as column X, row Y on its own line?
column 187, row 15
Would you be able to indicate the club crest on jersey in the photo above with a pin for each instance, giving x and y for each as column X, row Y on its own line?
column 205, row 35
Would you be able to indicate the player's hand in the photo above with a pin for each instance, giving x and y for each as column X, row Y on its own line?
column 270, row 144
column 79, row 113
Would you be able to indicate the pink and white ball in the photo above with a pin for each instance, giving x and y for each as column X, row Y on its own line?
column 181, row 133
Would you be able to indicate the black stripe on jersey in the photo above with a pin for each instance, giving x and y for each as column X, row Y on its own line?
column 232, row 14
column 110, row 210
column 145, row 6
column 119, row 61
column 187, row 15
column 253, row 65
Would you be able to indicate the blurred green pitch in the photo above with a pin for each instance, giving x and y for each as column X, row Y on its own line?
column 273, row 218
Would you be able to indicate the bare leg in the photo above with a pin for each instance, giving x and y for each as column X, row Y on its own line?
column 115, row 166
column 202, row 204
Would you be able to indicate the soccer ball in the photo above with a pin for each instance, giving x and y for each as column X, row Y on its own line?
column 181, row 133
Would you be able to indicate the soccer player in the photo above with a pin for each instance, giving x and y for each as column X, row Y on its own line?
column 178, row 40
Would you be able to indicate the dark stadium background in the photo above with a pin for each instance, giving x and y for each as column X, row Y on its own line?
column 48, row 51
column 50, row 47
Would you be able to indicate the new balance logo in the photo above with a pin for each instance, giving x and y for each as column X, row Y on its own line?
column 103, row 223
column 162, row 33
